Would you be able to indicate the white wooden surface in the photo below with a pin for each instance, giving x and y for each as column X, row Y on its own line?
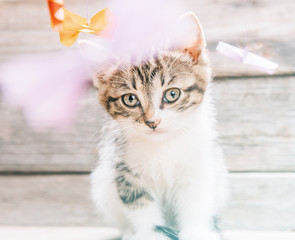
column 87, row 233
column 258, row 201
column 58, row 233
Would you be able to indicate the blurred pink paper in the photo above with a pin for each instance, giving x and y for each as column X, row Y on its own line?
column 145, row 26
column 246, row 57
column 47, row 87
column 140, row 29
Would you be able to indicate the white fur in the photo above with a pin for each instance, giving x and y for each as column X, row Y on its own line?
column 182, row 169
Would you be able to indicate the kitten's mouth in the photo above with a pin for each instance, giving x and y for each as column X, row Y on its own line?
column 156, row 132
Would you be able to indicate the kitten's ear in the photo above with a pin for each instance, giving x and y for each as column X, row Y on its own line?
column 194, row 41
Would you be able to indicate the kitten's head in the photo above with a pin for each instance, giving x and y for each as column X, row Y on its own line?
column 157, row 95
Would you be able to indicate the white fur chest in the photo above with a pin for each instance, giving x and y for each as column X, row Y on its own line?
column 162, row 163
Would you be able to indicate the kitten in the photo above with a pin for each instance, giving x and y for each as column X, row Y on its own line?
column 160, row 173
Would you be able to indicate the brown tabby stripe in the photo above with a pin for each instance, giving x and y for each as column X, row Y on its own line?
column 134, row 83
column 124, row 86
column 193, row 88
column 139, row 74
column 111, row 99
column 122, row 113
column 162, row 80
column 153, row 73
column 131, row 194
column 185, row 107
column 172, row 80
column 122, row 167
column 145, row 69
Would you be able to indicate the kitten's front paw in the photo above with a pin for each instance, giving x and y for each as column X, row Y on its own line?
column 208, row 235
column 149, row 236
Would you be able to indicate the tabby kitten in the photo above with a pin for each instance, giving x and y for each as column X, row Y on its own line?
column 160, row 173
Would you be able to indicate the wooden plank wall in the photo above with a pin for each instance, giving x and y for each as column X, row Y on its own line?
column 265, row 26
column 255, row 119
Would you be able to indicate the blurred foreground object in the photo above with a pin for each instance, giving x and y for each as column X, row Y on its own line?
column 56, row 13
column 47, row 88
column 69, row 25
column 246, row 57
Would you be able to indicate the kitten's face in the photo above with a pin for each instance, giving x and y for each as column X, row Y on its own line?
column 155, row 97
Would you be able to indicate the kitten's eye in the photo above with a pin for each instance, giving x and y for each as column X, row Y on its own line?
column 130, row 100
column 171, row 95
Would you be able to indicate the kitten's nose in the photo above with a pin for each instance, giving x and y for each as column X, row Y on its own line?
column 153, row 124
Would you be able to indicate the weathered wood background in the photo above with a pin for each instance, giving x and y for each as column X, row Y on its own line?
column 265, row 26
column 256, row 120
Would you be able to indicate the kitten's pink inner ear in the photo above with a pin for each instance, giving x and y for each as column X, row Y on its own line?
column 194, row 42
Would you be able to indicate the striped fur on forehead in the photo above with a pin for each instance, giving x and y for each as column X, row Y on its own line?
column 162, row 71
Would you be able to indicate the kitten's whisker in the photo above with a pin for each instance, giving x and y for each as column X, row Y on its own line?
column 93, row 135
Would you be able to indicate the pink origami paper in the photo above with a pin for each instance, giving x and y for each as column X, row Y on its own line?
column 246, row 57
column 144, row 26
column 47, row 88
